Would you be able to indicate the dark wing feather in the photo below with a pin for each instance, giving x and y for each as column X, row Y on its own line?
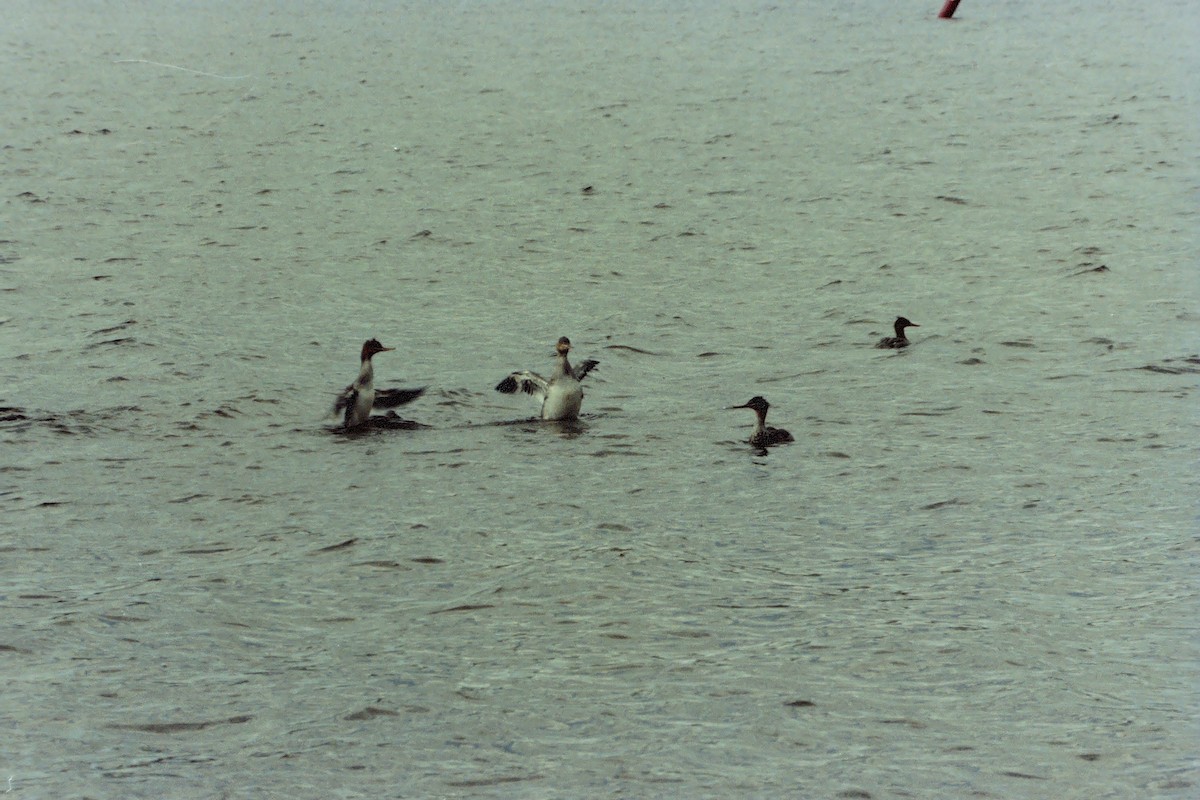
column 527, row 382
column 391, row 398
column 583, row 369
column 345, row 399
column 779, row 436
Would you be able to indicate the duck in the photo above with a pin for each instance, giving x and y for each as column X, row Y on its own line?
column 357, row 399
column 562, row 393
column 763, row 435
column 899, row 340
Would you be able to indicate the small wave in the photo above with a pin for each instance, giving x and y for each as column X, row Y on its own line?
column 631, row 349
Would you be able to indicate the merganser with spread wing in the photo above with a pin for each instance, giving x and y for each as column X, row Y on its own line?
column 357, row 399
column 561, row 394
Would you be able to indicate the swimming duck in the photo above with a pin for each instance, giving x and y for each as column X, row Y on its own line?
column 360, row 397
column 764, row 436
column 899, row 340
column 561, row 393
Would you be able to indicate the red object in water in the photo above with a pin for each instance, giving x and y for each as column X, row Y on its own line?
column 948, row 10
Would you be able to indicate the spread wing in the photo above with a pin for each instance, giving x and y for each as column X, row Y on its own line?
column 345, row 403
column 392, row 398
column 345, row 399
column 583, row 369
column 525, row 381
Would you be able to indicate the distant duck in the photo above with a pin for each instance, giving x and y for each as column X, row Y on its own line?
column 899, row 340
column 360, row 397
column 561, row 394
column 764, row 436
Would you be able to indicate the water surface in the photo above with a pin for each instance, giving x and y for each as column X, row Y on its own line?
column 972, row 574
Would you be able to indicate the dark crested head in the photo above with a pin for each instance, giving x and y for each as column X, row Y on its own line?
column 902, row 323
column 757, row 403
column 371, row 347
column 563, row 347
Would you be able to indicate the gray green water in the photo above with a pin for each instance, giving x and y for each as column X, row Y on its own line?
column 973, row 575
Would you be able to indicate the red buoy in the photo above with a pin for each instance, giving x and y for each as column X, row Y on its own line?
column 948, row 10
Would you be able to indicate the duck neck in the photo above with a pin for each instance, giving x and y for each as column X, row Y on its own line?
column 563, row 367
column 366, row 374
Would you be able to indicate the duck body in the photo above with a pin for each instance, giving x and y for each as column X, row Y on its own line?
column 899, row 340
column 562, row 393
column 361, row 401
column 358, row 399
column 769, row 436
column 764, row 435
column 564, row 397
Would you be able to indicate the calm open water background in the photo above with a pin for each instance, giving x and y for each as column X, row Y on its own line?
column 973, row 575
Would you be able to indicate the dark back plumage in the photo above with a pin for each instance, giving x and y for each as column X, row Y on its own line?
column 769, row 436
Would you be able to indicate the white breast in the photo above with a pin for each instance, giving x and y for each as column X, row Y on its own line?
column 563, row 399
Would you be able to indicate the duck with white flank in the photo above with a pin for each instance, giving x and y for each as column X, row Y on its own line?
column 360, row 397
column 899, row 340
column 561, row 394
column 763, row 436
